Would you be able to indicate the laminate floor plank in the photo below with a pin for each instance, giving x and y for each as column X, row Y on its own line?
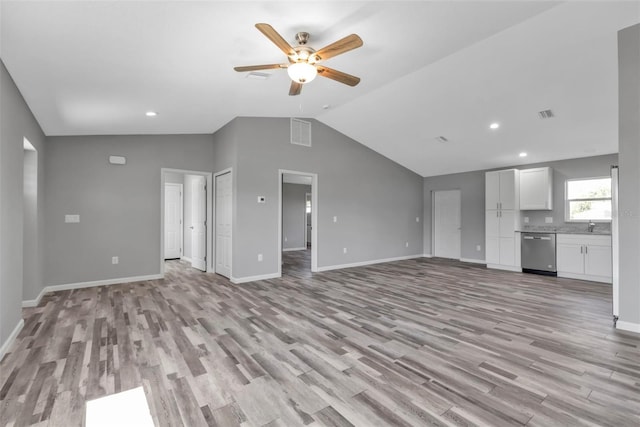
column 416, row 342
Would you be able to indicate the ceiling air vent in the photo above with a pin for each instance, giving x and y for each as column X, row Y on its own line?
column 546, row 114
column 441, row 139
column 300, row 132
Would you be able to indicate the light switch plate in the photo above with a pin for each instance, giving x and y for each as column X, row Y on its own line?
column 548, row 219
column 70, row 219
column 526, row 220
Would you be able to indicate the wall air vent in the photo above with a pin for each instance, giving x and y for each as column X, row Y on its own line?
column 300, row 132
column 546, row 114
column 441, row 139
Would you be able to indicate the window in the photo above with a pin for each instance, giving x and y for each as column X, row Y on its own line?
column 588, row 199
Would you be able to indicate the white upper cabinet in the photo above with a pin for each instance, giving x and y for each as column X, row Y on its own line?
column 501, row 190
column 536, row 189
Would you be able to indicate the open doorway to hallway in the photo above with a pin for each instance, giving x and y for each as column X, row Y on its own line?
column 298, row 231
column 186, row 214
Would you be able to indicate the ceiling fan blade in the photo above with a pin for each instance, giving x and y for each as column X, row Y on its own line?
column 259, row 67
column 341, row 46
column 276, row 39
column 338, row 76
column 295, row 88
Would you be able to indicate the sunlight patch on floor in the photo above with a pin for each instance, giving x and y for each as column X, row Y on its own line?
column 128, row 408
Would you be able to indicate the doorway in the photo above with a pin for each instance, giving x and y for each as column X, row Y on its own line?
column 446, row 224
column 184, row 223
column 297, row 221
column 30, row 222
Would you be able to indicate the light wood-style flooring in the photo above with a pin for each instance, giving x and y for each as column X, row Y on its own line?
column 417, row 342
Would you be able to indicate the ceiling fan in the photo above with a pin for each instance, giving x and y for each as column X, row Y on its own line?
column 303, row 60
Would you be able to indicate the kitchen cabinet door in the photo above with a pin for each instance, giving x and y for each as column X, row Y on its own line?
column 492, row 250
column 535, row 189
column 508, row 250
column 597, row 261
column 570, row 258
column 508, row 223
column 492, row 223
column 508, row 189
column 492, row 190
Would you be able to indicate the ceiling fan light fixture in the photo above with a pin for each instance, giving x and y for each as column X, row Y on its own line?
column 302, row 72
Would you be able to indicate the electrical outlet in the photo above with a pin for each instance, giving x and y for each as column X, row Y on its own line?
column 417, row 219
column 478, row 248
column 285, row 238
column 70, row 219
column 335, row 219
column 259, row 257
column 115, row 260
column 344, row 250
column 406, row 244
column 526, row 220
column 548, row 219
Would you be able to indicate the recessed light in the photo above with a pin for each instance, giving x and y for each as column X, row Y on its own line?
column 523, row 154
column 326, row 106
column 150, row 114
column 494, row 125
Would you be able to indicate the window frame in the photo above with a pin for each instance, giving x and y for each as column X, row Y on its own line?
column 567, row 209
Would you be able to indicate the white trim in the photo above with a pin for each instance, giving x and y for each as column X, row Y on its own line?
column 505, row 267
column 474, row 261
column 363, row 263
column 117, row 281
column 586, row 277
column 314, row 218
column 34, row 302
column 294, row 249
column 11, row 338
column 238, row 280
column 628, row 326
column 215, row 221
column 427, row 256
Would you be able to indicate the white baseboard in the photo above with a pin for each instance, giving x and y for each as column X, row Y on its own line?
column 585, row 277
column 505, row 267
column 427, row 256
column 475, row 261
column 294, row 249
column 34, row 302
column 363, row 263
column 238, row 280
column 628, row 326
column 80, row 285
column 11, row 338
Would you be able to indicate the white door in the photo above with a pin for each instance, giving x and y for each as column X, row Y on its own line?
column 172, row 221
column 446, row 228
column 223, row 224
column 198, row 223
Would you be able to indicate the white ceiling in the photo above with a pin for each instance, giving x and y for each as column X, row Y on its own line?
column 427, row 69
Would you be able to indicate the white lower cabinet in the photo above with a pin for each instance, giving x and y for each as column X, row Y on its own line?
column 585, row 257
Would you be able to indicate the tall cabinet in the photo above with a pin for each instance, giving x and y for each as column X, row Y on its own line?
column 502, row 219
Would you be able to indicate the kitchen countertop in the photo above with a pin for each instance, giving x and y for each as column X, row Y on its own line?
column 579, row 229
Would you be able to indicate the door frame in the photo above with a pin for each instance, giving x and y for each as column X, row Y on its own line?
column 181, row 186
column 314, row 217
column 216, row 175
column 306, row 220
column 433, row 220
column 209, row 179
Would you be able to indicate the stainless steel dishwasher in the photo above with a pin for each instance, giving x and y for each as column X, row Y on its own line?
column 539, row 253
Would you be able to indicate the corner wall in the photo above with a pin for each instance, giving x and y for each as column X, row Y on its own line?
column 375, row 200
column 629, row 170
column 16, row 123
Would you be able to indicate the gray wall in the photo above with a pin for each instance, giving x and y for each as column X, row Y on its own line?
column 471, row 185
column 294, row 215
column 629, row 187
column 376, row 200
column 17, row 122
column 119, row 206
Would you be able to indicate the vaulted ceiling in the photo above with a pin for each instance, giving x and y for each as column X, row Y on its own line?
column 428, row 69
